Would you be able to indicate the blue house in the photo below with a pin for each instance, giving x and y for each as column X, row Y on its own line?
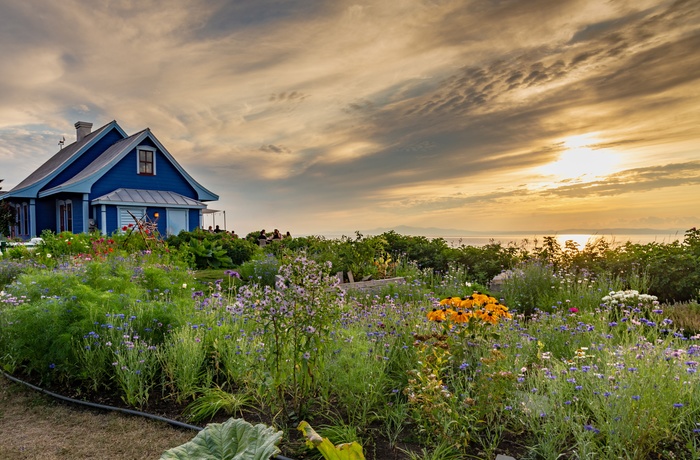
column 104, row 181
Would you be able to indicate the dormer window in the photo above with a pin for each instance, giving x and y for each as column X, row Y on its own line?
column 147, row 161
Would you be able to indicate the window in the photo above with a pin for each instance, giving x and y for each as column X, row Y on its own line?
column 65, row 216
column 146, row 162
column 18, row 221
column 25, row 219
column 129, row 217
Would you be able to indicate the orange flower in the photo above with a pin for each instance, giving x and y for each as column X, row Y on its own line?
column 460, row 316
column 489, row 316
column 437, row 315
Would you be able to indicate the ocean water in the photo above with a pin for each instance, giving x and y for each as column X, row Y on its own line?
column 529, row 241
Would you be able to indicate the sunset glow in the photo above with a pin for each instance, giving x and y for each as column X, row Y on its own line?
column 319, row 116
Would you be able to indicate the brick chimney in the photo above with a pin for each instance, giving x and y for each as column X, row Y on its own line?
column 82, row 128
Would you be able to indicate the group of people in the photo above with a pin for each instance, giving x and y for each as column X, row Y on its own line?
column 219, row 230
column 276, row 235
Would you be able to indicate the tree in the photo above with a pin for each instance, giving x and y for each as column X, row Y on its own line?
column 7, row 216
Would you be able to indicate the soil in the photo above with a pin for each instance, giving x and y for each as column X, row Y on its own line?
column 36, row 426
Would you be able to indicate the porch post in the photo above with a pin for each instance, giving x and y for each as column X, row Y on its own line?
column 103, row 219
column 32, row 218
column 86, row 211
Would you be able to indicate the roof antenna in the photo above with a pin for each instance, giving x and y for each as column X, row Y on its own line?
column 61, row 142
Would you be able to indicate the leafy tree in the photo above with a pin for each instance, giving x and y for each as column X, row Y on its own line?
column 7, row 216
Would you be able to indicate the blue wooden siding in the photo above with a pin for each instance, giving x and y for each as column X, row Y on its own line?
column 86, row 158
column 124, row 175
column 45, row 215
column 193, row 219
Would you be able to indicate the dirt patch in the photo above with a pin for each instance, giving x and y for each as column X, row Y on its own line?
column 33, row 426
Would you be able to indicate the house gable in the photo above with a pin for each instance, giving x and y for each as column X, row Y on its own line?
column 118, row 167
column 60, row 163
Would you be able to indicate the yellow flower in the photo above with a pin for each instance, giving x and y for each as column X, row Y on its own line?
column 489, row 316
column 438, row 314
column 460, row 316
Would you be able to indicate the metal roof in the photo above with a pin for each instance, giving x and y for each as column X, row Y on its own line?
column 130, row 197
column 111, row 155
column 83, row 181
column 63, row 157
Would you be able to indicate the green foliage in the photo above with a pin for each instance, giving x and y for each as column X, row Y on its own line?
column 573, row 372
column 183, row 359
column 7, row 218
column 214, row 400
column 208, row 254
column 530, row 286
column 232, row 440
column 261, row 270
column 214, row 250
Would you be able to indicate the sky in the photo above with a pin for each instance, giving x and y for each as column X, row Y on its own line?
column 335, row 116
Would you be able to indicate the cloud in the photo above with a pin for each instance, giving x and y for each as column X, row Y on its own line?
column 391, row 106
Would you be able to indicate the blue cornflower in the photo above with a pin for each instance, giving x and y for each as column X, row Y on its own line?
column 591, row 428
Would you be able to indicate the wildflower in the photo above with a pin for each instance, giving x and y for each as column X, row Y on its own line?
column 460, row 317
column 678, row 405
column 573, row 310
column 437, row 315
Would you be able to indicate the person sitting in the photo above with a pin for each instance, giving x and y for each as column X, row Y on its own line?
column 233, row 235
column 288, row 235
column 210, row 229
column 276, row 235
column 217, row 230
column 262, row 238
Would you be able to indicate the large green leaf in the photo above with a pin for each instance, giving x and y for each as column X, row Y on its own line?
column 234, row 439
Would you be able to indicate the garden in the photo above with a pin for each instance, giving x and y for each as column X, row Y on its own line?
column 575, row 352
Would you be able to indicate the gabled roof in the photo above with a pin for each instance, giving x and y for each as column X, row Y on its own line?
column 30, row 186
column 83, row 181
column 132, row 197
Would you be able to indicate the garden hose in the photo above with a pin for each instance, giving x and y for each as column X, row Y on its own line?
column 112, row 408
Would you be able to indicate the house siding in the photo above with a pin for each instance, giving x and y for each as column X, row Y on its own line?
column 194, row 219
column 123, row 175
column 46, row 215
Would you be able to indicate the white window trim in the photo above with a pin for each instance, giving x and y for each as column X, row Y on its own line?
column 138, row 158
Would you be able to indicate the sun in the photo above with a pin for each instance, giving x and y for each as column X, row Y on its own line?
column 581, row 159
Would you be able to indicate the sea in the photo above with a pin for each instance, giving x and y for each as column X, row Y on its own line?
column 581, row 239
column 530, row 241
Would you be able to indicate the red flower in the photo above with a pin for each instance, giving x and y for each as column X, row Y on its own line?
column 573, row 310
column 124, row 228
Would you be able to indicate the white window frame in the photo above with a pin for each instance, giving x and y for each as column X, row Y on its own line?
column 146, row 148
